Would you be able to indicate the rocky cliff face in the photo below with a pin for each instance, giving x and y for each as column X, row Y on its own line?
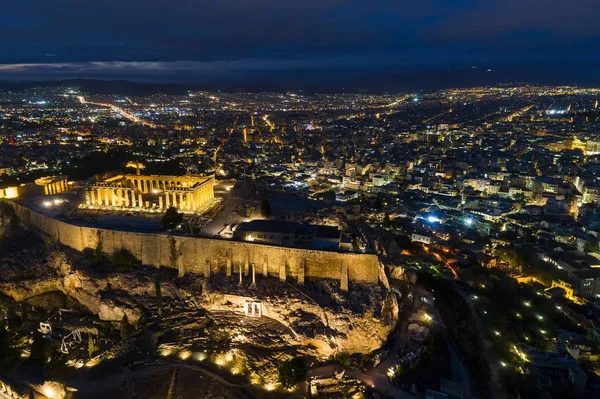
column 317, row 316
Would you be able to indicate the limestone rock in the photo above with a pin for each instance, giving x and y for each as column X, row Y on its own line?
column 112, row 309
column 318, row 315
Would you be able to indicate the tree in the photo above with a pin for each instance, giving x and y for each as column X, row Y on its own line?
column 43, row 350
column 592, row 246
column 265, row 209
column 378, row 203
column 520, row 197
column 158, row 295
column 123, row 260
column 126, row 328
column 387, row 223
column 8, row 354
column 292, row 372
column 171, row 218
column 92, row 347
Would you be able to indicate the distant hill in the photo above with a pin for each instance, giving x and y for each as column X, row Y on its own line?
column 131, row 88
column 348, row 80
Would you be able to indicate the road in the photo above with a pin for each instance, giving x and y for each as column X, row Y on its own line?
column 377, row 377
column 121, row 111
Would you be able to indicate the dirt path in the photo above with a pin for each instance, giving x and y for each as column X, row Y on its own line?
column 377, row 377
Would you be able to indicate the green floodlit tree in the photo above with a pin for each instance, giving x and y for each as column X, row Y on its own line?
column 92, row 347
column 292, row 372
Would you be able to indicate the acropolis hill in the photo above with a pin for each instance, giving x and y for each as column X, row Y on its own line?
column 280, row 301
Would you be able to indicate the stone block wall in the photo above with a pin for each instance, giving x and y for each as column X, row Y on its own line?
column 192, row 254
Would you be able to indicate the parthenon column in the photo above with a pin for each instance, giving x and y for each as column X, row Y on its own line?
column 133, row 204
column 168, row 201
column 140, row 201
column 181, row 203
column 126, row 194
column 105, row 196
column 113, row 196
column 92, row 198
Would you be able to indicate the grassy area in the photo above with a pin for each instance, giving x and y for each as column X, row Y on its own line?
column 460, row 324
column 515, row 313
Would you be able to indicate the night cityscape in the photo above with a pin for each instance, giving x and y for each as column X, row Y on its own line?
column 316, row 200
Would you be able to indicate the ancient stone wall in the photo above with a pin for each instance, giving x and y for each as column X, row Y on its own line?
column 204, row 255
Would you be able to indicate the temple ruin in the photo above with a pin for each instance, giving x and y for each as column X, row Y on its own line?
column 186, row 193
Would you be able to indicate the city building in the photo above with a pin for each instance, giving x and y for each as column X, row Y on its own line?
column 289, row 234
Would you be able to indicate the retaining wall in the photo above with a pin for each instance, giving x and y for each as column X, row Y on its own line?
column 207, row 256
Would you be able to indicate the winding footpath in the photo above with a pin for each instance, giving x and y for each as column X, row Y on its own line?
column 377, row 377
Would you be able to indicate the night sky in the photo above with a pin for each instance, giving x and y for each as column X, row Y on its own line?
column 220, row 40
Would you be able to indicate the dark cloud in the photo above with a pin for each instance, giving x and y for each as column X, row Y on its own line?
column 276, row 34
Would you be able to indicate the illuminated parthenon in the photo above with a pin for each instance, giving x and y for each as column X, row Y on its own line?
column 186, row 193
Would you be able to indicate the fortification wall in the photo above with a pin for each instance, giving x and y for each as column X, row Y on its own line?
column 208, row 256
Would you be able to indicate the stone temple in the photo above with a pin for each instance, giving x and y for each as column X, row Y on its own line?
column 186, row 193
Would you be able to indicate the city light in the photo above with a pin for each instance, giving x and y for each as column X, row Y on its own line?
column 433, row 219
